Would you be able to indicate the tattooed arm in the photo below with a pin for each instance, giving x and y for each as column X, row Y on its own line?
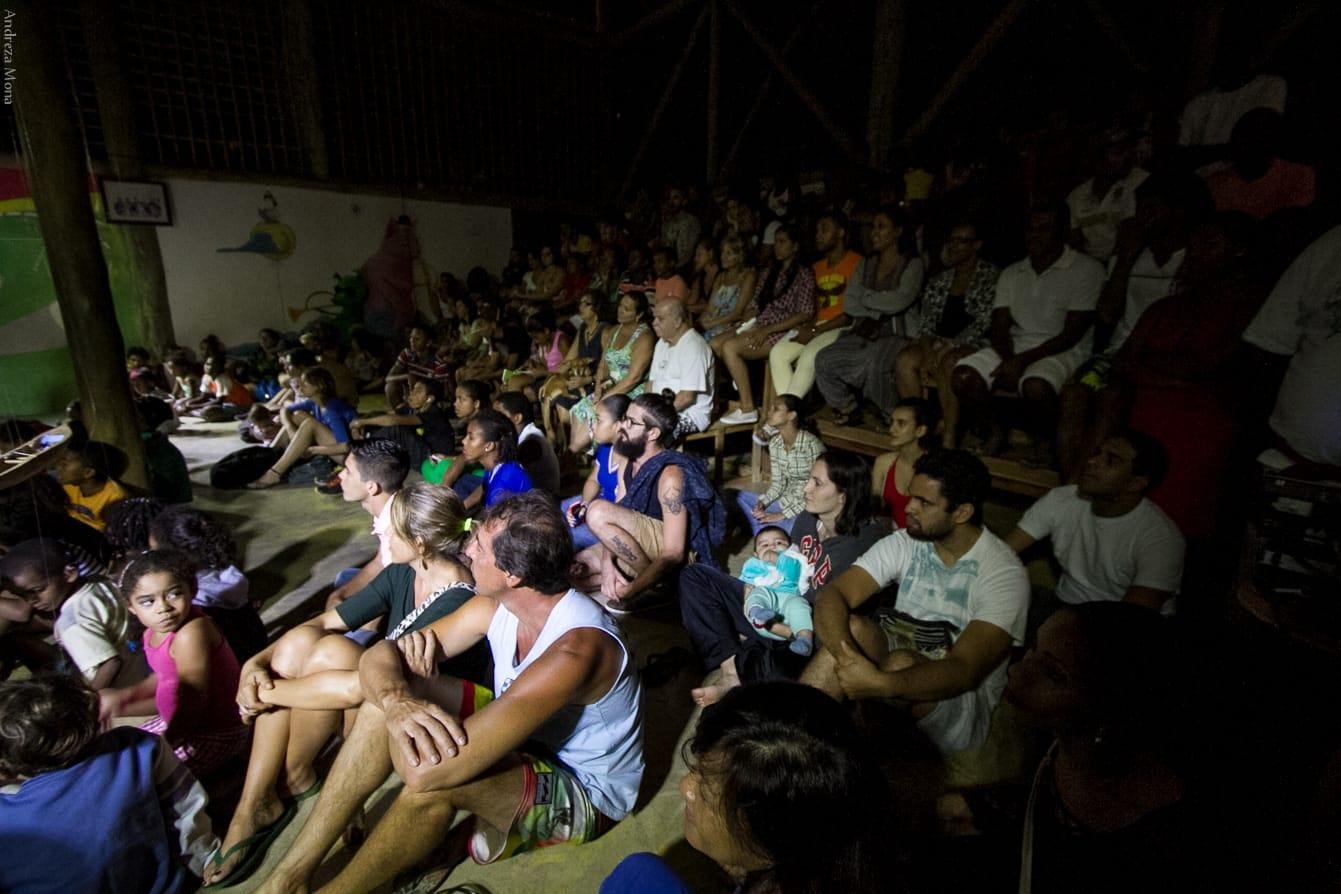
column 674, row 536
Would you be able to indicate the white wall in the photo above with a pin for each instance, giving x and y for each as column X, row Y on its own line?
column 233, row 294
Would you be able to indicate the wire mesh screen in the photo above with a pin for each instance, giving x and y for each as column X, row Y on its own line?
column 434, row 95
column 420, row 95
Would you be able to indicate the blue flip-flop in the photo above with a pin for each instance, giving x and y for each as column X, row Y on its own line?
column 255, row 847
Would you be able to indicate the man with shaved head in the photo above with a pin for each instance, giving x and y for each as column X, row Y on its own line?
column 682, row 367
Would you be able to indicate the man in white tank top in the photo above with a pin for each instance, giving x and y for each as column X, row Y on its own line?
column 552, row 755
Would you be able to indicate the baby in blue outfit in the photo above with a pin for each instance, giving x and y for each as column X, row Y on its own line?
column 776, row 579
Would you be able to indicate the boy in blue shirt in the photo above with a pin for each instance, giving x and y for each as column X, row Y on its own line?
column 81, row 811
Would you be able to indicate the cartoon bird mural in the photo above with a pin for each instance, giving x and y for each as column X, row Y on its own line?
column 270, row 238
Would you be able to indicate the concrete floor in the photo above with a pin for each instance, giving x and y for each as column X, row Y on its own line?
column 292, row 541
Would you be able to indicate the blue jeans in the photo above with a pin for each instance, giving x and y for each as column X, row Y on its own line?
column 748, row 499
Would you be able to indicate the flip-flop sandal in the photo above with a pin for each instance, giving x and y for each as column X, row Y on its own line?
column 310, row 792
column 255, row 847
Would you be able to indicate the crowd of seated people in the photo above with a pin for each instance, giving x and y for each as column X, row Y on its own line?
column 533, row 476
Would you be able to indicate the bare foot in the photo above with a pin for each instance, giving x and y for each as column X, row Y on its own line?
column 245, row 824
column 269, row 479
column 711, row 695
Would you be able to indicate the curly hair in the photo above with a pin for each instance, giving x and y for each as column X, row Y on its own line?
column 194, row 532
column 130, row 522
column 173, row 562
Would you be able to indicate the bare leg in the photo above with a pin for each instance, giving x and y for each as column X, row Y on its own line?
column 734, row 354
column 309, row 433
column 945, row 391
column 908, row 370
column 711, row 695
column 822, row 671
column 972, row 391
column 418, row 821
column 1040, row 405
column 611, row 524
column 362, row 765
column 1075, row 402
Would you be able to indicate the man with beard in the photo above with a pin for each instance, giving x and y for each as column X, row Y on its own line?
column 668, row 512
column 1112, row 543
column 939, row 650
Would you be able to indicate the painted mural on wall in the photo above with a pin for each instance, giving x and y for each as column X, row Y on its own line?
column 36, row 374
column 271, row 238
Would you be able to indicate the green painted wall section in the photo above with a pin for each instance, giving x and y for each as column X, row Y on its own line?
column 41, row 382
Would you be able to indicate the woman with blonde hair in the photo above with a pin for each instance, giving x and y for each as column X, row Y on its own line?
column 297, row 692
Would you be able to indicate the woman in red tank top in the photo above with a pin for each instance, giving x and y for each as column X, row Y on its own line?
column 912, row 424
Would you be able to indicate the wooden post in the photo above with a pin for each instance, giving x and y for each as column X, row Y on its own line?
column 1298, row 16
column 660, row 110
column 714, row 85
column 53, row 158
column 301, row 65
column 886, row 65
column 990, row 38
column 808, row 99
column 762, row 92
column 652, row 19
column 113, row 94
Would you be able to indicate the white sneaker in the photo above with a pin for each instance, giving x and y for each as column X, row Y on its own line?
column 740, row 417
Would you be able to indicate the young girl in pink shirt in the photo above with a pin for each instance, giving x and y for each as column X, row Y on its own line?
column 195, row 674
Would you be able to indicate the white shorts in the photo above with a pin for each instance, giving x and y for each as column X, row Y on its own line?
column 1054, row 370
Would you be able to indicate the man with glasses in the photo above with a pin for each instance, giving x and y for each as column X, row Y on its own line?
column 668, row 514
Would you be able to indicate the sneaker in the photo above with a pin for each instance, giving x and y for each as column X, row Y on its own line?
column 763, row 435
column 331, row 485
column 740, row 417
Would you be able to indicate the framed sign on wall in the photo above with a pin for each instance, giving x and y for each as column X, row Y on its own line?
column 136, row 202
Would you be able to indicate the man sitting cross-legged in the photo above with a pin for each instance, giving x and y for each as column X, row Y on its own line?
column 667, row 514
column 564, row 687
column 940, row 649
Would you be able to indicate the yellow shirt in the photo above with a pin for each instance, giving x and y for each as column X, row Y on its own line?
column 89, row 510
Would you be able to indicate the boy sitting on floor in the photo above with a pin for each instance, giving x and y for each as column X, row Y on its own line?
column 84, row 471
column 91, row 623
column 81, row 811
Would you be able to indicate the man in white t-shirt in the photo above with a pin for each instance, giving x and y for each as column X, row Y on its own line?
column 1301, row 320
column 940, row 649
column 1041, row 325
column 1100, row 204
column 682, row 364
column 1113, row 544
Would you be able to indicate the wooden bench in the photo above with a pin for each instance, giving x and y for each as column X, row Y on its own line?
column 1007, row 475
column 717, row 434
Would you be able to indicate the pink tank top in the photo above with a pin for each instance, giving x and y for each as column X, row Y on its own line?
column 219, row 712
column 553, row 357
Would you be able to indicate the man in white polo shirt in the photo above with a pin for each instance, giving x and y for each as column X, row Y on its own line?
column 1113, row 544
column 1301, row 320
column 681, row 364
column 1041, row 325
